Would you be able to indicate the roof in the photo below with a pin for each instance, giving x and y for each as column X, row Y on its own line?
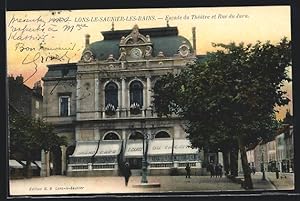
column 14, row 83
column 165, row 39
column 68, row 70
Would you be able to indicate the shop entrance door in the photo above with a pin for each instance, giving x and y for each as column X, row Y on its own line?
column 135, row 163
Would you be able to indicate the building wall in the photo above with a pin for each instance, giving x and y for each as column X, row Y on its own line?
column 85, row 82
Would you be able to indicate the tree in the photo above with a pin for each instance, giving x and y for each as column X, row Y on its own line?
column 28, row 136
column 229, row 96
column 288, row 119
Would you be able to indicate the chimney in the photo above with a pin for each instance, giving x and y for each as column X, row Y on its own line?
column 37, row 88
column 11, row 78
column 87, row 40
column 194, row 40
column 20, row 79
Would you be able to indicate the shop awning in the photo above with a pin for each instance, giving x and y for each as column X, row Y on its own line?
column 183, row 146
column 85, row 148
column 160, row 147
column 134, row 148
column 109, row 148
column 33, row 166
column 15, row 164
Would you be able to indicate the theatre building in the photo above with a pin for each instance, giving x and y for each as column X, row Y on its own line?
column 103, row 105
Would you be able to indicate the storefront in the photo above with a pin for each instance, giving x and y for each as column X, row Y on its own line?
column 81, row 159
column 160, row 156
column 107, row 157
column 183, row 153
column 134, row 153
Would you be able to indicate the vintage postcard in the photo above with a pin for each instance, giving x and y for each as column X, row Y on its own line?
column 150, row 100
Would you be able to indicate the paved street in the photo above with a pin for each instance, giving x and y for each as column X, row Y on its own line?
column 100, row 185
column 284, row 182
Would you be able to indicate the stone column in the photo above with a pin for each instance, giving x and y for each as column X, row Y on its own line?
column 144, row 100
column 220, row 158
column 63, row 159
column 45, row 169
column 96, row 133
column 124, row 139
column 77, row 98
column 96, row 97
column 123, row 93
column 240, row 167
column 148, row 87
column 77, row 134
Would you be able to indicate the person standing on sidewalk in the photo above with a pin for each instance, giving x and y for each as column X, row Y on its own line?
column 188, row 171
column 211, row 169
column 126, row 173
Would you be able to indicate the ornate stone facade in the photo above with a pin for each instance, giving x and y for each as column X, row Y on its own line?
column 107, row 97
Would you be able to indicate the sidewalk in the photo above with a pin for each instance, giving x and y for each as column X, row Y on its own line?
column 62, row 185
column 284, row 182
column 99, row 185
column 271, row 182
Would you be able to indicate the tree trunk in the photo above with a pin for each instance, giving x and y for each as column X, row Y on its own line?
column 234, row 161
column 225, row 161
column 246, row 169
column 28, row 171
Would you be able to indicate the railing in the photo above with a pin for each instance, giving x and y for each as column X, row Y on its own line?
column 103, row 166
column 184, row 164
column 79, row 167
column 161, row 165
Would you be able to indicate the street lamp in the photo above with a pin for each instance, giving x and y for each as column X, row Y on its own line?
column 146, row 137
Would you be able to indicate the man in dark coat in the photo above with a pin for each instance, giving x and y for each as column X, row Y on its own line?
column 188, row 171
column 211, row 169
column 126, row 173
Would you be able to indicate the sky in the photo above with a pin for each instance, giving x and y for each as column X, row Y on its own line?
column 38, row 38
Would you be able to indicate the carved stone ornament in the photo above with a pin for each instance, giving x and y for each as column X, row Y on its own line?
column 135, row 37
column 87, row 56
column 160, row 54
column 148, row 51
column 122, row 56
column 184, row 49
column 111, row 58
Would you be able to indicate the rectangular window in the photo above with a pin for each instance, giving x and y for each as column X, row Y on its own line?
column 64, row 106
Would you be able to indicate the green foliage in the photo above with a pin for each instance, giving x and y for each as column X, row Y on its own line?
column 288, row 119
column 229, row 96
column 28, row 135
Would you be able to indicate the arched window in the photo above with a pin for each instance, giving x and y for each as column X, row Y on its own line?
column 136, row 136
column 111, row 136
column 111, row 94
column 136, row 94
column 162, row 134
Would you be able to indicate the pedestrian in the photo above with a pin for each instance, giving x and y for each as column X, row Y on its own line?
column 220, row 170
column 126, row 173
column 217, row 170
column 211, row 169
column 253, row 170
column 188, row 171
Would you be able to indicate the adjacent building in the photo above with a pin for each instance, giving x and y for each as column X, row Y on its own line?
column 275, row 154
column 24, row 101
column 103, row 104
